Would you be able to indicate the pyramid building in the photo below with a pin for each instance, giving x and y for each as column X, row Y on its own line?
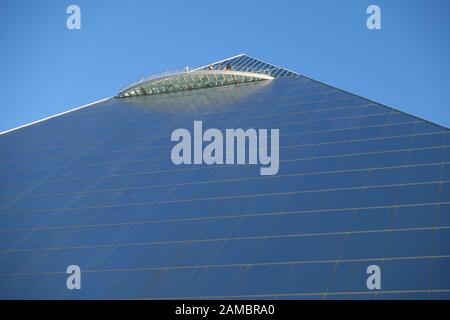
column 359, row 186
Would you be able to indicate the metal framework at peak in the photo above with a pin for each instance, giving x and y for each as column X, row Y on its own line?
column 196, row 79
column 245, row 62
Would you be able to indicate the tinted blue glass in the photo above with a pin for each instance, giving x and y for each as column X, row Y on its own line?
column 359, row 184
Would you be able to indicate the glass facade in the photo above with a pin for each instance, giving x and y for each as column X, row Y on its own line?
column 359, row 184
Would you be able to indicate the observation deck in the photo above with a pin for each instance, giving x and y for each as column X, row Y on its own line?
column 176, row 81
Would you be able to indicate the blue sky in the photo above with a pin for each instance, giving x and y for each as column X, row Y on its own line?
column 46, row 68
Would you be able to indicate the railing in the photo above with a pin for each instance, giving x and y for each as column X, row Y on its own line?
column 267, row 72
